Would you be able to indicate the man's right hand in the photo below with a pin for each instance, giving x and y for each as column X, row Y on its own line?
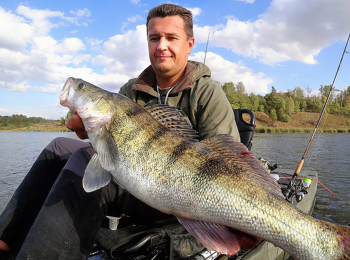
column 76, row 124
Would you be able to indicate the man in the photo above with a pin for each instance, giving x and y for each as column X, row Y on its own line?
column 68, row 221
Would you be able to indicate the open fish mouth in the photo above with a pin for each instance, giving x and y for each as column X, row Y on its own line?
column 84, row 105
column 67, row 99
column 65, row 93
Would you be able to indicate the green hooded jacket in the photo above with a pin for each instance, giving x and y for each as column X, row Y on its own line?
column 198, row 96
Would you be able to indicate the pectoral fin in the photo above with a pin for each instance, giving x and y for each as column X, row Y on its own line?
column 95, row 176
column 105, row 147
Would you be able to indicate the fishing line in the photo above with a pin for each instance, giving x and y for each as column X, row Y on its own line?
column 300, row 165
column 331, row 90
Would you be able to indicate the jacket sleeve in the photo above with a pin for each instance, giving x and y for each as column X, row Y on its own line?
column 214, row 113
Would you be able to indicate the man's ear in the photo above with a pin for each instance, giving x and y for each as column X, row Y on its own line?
column 190, row 44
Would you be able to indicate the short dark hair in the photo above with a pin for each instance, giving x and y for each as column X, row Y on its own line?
column 173, row 10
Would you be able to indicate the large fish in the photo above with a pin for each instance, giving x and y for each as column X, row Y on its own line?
column 212, row 186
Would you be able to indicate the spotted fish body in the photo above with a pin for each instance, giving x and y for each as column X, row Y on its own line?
column 214, row 181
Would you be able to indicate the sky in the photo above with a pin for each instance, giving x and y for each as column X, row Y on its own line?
column 262, row 43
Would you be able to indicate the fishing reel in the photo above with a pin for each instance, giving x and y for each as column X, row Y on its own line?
column 300, row 190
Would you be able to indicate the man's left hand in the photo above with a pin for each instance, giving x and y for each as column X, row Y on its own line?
column 76, row 124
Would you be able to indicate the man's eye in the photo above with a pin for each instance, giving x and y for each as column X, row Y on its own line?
column 153, row 39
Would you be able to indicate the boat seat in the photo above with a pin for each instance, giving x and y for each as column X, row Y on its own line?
column 245, row 129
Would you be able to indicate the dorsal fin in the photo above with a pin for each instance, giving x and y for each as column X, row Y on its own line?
column 238, row 153
column 173, row 119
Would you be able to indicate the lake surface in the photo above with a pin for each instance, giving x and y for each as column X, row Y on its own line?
column 329, row 155
column 18, row 151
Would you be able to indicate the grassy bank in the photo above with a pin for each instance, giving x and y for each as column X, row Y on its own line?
column 50, row 126
column 303, row 122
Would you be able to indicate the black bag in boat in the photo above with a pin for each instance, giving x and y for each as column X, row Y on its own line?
column 171, row 242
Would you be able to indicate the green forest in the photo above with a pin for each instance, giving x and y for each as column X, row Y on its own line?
column 21, row 121
column 279, row 106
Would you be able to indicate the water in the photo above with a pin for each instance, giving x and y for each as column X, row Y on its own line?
column 18, row 151
column 329, row 155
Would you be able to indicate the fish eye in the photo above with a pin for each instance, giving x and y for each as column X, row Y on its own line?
column 81, row 85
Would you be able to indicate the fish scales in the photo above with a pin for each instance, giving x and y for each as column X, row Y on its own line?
column 206, row 181
column 194, row 193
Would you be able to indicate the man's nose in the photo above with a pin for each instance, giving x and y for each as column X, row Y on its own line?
column 163, row 44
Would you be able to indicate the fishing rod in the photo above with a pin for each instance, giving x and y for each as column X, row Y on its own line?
column 300, row 165
column 206, row 48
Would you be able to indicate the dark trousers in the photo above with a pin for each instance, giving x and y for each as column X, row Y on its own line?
column 50, row 216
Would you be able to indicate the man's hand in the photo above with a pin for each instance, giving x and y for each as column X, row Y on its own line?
column 76, row 124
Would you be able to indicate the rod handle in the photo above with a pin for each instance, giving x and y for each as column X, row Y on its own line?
column 299, row 166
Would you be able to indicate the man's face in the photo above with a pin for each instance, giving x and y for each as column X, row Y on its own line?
column 168, row 46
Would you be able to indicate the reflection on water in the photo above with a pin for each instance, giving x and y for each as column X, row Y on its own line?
column 329, row 155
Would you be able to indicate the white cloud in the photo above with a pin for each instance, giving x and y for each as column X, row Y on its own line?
column 38, row 56
column 288, row 30
column 6, row 112
column 16, row 87
column 135, row 18
column 196, row 11
column 48, row 88
column 70, row 45
column 226, row 71
column 50, row 46
column 95, row 44
column 132, row 19
column 81, row 13
column 29, row 53
column 44, row 44
column 16, row 34
column 39, row 18
column 128, row 52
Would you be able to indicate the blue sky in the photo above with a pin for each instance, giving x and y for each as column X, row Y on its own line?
column 281, row 43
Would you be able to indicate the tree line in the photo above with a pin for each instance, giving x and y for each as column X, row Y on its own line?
column 280, row 105
column 18, row 121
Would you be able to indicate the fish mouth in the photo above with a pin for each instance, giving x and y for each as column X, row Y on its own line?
column 65, row 92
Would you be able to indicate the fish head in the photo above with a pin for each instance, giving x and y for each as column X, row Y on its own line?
column 93, row 104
